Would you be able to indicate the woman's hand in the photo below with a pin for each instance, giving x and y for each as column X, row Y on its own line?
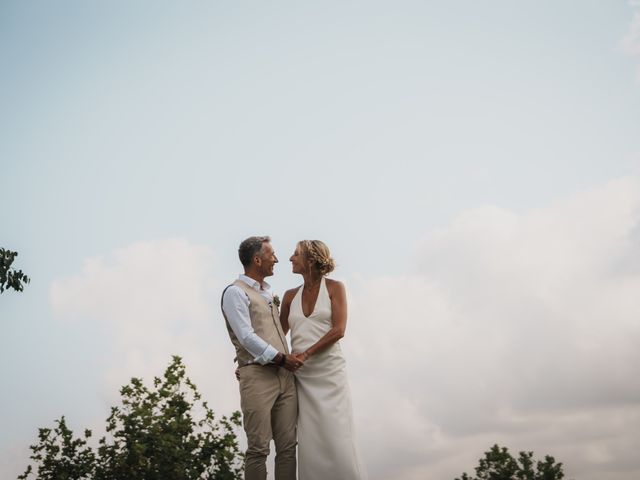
column 302, row 356
column 292, row 362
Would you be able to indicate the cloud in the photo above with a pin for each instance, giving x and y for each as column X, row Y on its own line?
column 516, row 328
column 152, row 300
column 631, row 41
column 519, row 328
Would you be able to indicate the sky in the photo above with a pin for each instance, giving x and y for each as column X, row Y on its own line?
column 473, row 166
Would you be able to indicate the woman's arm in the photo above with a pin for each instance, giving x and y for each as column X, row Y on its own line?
column 338, row 296
column 284, row 311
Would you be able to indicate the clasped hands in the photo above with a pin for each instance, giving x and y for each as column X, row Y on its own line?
column 295, row 360
column 292, row 362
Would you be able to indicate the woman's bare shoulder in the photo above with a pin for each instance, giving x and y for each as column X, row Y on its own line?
column 289, row 294
column 334, row 285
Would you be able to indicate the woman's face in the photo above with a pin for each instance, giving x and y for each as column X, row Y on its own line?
column 298, row 263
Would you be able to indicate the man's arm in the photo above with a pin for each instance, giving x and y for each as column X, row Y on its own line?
column 235, row 304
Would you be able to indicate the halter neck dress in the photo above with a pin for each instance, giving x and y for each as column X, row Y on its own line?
column 326, row 444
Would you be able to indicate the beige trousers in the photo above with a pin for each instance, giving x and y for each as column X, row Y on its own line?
column 269, row 410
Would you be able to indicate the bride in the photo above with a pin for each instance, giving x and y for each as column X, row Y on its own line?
column 316, row 313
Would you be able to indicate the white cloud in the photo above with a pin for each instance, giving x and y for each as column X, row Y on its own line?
column 154, row 299
column 516, row 328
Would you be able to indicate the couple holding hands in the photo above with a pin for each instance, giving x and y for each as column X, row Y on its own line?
column 300, row 398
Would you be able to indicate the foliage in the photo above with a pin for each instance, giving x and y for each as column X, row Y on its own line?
column 10, row 278
column 60, row 455
column 161, row 433
column 499, row 464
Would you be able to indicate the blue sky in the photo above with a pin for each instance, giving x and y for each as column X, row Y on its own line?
column 144, row 140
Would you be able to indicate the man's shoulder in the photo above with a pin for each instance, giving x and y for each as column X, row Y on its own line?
column 234, row 290
column 235, row 283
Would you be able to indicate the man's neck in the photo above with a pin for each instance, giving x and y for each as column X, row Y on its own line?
column 255, row 276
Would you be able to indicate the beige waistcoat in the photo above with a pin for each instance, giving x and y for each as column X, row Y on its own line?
column 265, row 320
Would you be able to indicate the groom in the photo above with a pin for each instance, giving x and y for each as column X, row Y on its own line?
column 267, row 391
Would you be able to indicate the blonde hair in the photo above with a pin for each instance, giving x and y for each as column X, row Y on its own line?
column 318, row 254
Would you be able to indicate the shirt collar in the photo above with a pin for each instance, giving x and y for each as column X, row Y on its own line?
column 254, row 283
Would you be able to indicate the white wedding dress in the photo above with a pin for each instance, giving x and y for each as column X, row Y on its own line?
column 326, row 444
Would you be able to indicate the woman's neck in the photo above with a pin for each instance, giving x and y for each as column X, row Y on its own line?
column 311, row 280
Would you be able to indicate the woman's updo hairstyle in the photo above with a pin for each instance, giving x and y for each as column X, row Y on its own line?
column 318, row 254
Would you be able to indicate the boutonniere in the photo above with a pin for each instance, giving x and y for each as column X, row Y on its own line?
column 276, row 301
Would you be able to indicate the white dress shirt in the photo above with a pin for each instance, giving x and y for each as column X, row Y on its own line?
column 235, row 304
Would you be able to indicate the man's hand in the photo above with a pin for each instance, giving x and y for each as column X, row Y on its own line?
column 292, row 362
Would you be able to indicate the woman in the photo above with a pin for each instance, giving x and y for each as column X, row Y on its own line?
column 316, row 312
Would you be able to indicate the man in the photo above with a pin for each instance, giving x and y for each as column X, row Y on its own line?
column 267, row 390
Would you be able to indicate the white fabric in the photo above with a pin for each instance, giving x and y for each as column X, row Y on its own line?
column 326, row 444
column 235, row 304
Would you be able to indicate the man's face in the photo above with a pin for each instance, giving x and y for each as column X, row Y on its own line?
column 267, row 259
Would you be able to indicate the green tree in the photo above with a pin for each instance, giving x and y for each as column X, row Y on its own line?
column 10, row 278
column 166, row 432
column 60, row 456
column 499, row 464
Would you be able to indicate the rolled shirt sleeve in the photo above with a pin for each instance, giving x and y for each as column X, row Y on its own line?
column 235, row 304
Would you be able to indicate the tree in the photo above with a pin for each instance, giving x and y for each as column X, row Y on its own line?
column 10, row 278
column 60, row 456
column 499, row 464
column 161, row 433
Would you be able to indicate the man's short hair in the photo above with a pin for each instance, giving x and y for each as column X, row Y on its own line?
column 251, row 247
